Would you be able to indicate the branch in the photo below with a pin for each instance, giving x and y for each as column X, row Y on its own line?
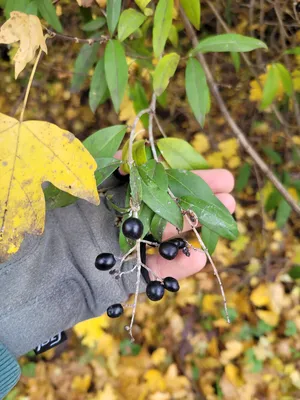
column 90, row 41
column 235, row 128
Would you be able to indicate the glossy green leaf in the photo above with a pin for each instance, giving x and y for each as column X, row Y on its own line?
column 164, row 71
column 273, row 200
column 32, row 9
column 271, row 87
column 228, row 42
column 156, row 171
column 173, row 36
column 158, row 225
column 243, row 177
column 105, row 142
column 160, row 201
column 139, row 154
column 94, row 24
column 135, row 186
column 86, row 58
column 272, row 155
column 116, row 71
column 295, row 51
column 283, row 213
column 146, row 215
column 113, row 10
column 210, row 239
column 99, row 90
column 180, row 154
column 130, row 21
column 186, row 183
column 48, row 12
column 56, row 198
column 197, row 90
column 106, row 166
column 193, row 11
column 236, row 60
column 15, row 5
column 211, row 216
column 140, row 101
column 162, row 25
column 285, row 78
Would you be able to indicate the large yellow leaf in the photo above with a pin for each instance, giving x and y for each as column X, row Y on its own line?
column 28, row 30
column 31, row 153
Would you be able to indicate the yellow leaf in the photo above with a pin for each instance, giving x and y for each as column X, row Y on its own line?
column 232, row 373
column 91, row 330
column 213, row 347
column 85, row 3
column 260, row 296
column 81, row 383
column 215, row 160
column 228, row 148
column 28, row 30
column 233, row 350
column 269, row 317
column 239, row 244
column 200, row 143
column 159, row 356
column 234, row 162
column 210, row 304
column 155, row 380
column 31, row 153
column 108, row 393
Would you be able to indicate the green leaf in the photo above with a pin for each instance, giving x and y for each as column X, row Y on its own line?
column 156, row 171
column 56, row 198
column 113, row 9
column 197, row 90
column 99, row 90
column 130, row 21
column 294, row 272
column 48, row 12
column 164, row 71
column 228, row 42
column 139, row 154
column 193, row 11
column 116, row 71
column 210, row 239
column 273, row 200
column 173, row 36
column 285, row 78
column 211, row 216
column 140, row 101
column 86, row 58
column 290, row 328
column 28, row 369
column 94, row 24
column 32, row 8
column 273, row 155
column 256, row 364
column 236, row 60
column 158, row 225
column 232, row 313
column 15, row 5
column 162, row 25
column 180, row 154
column 106, row 166
column 105, row 142
column 283, row 213
column 159, row 201
column 135, row 186
column 146, row 215
column 243, row 177
column 127, row 348
column 295, row 50
column 271, row 87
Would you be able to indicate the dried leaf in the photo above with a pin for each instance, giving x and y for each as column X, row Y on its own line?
column 28, row 30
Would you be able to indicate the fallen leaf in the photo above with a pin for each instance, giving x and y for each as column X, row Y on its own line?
column 260, row 296
column 155, row 380
column 269, row 317
column 233, row 349
column 159, row 356
column 108, row 393
column 233, row 374
column 81, row 384
column 31, row 153
column 28, row 30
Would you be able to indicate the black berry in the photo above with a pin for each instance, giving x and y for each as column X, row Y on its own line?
column 171, row 284
column 151, row 238
column 115, row 310
column 105, row 261
column 155, row 291
column 168, row 250
column 132, row 228
column 180, row 243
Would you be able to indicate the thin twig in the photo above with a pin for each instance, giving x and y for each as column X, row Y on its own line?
column 159, row 126
column 90, row 41
column 150, row 129
column 235, row 128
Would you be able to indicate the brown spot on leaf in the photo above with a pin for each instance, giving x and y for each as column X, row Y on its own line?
column 4, row 163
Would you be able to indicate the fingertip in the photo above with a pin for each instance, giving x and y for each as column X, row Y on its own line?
column 228, row 200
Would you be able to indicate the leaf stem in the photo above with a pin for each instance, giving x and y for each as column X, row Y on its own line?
column 29, row 85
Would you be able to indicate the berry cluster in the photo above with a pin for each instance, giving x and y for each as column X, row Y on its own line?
column 132, row 229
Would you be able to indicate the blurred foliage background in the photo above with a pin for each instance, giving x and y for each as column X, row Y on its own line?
column 184, row 348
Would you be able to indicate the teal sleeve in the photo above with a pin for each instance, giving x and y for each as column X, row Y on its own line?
column 9, row 371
